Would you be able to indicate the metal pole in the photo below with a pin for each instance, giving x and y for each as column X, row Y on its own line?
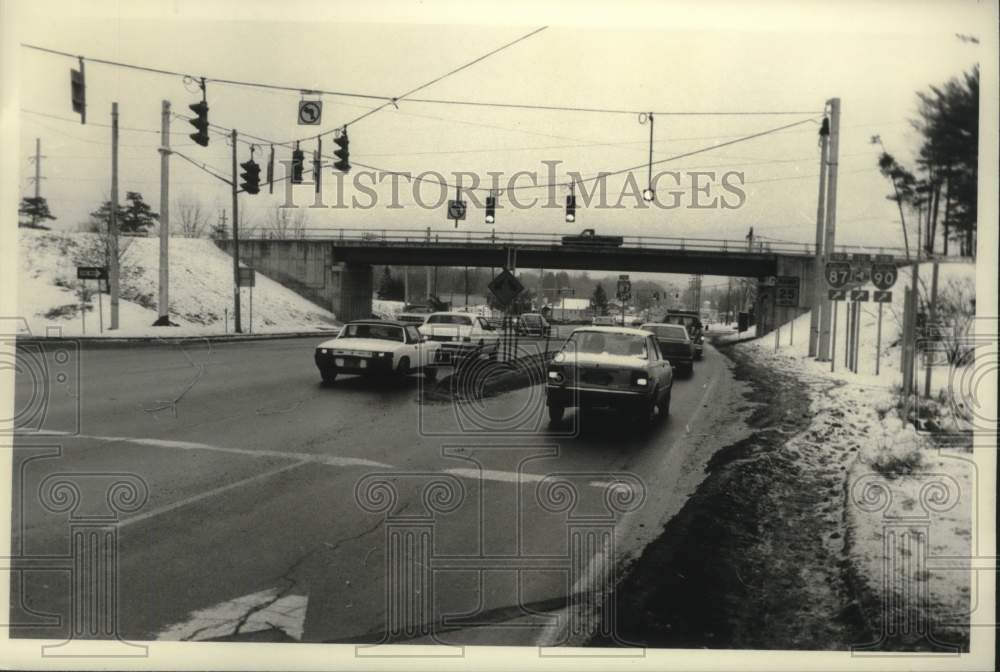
column 833, row 338
column 236, row 243
column 113, row 233
column 251, row 306
column 100, row 309
column 831, row 209
column 878, row 341
column 848, row 334
column 164, row 302
column 38, row 179
column 819, row 299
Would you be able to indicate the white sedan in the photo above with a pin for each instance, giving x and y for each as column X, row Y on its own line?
column 460, row 336
column 373, row 347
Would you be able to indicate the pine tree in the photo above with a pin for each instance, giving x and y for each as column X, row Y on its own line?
column 599, row 299
column 34, row 211
column 136, row 217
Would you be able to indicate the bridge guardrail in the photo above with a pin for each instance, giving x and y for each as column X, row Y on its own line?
column 504, row 238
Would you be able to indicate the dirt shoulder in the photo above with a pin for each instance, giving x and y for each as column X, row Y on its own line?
column 756, row 558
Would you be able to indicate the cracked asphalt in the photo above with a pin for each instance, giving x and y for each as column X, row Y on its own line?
column 384, row 506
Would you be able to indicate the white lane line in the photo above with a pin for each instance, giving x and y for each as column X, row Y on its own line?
column 495, row 475
column 329, row 460
column 555, row 634
column 166, row 508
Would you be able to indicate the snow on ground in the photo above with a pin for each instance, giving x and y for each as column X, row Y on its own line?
column 200, row 290
column 909, row 496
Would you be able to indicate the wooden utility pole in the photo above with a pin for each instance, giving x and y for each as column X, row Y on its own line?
column 37, row 179
column 819, row 277
column 113, row 232
column 164, row 301
column 236, row 241
column 932, row 326
column 830, row 222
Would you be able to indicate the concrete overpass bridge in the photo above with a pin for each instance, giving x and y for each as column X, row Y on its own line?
column 333, row 267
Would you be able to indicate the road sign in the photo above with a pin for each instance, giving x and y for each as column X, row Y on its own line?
column 310, row 112
column 861, row 274
column 456, row 210
column 884, row 275
column 769, row 281
column 838, row 256
column 837, row 294
column 879, row 296
column 861, row 258
column 248, row 277
column 838, row 273
column 787, row 291
column 859, row 295
column 92, row 272
column 505, row 286
column 884, row 258
column 624, row 288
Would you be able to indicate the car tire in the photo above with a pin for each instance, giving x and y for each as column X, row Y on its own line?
column 665, row 404
column 328, row 377
column 556, row 413
column 430, row 374
column 403, row 370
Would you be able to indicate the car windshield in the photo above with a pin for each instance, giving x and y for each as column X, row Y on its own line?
column 383, row 332
column 607, row 343
column 667, row 331
column 685, row 320
column 531, row 319
column 463, row 320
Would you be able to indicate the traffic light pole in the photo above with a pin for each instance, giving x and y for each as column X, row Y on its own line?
column 164, row 299
column 236, row 241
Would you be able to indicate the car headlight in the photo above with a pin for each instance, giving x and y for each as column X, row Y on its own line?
column 322, row 351
column 639, row 378
column 560, row 357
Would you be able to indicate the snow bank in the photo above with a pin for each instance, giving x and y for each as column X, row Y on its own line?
column 201, row 290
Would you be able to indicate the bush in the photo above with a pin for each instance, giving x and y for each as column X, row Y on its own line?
column 898, row 451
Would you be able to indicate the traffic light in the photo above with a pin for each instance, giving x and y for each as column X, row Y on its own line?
column 491, row 209
column 200, row 122
column 78, row 92
column 298, row 156
column 343, row 154
column 250, row 177
column 571, row 208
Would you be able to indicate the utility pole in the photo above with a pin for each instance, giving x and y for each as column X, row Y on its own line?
column 819, row 277
column 164, row 303
column 38, row 177
column 831, row 218
column 113, row 233
column 236, row 241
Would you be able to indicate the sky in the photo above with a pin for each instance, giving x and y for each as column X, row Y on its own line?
column 674, row 57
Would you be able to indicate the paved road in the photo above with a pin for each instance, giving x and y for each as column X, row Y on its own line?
column 299, row 500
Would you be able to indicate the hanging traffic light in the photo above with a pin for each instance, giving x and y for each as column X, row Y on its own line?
column 571, row 208
column 78, row 92
column 298, row 157
column 200, row 122
column 343, row 154
column 491, row 209
column 250, row 176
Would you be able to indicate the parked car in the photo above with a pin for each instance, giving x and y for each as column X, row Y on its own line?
column 373, row 347
column 692, row 322
column 413, row 318
column 617, row 367
column 461, row 336
column 675, row 344
column 533, row 324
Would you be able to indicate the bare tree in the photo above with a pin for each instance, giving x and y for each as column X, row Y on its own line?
column 284, row 222
column 192, row 219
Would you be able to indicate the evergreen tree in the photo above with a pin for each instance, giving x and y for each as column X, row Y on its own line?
column 599, row 299
column 34, row 211
column 136, row 217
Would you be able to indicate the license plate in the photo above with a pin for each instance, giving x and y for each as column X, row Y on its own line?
column 339, row 361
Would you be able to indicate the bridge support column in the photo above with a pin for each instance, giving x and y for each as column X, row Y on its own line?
column 351, row 291
column 770, row 316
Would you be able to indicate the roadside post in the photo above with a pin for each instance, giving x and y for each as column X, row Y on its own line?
column 883, row 277
column 505, row 287
column 786, row 295
column 838, row 273
column 97, row 273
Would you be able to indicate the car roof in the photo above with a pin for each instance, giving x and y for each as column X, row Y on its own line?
column 453, row 312
column 631, row 331
column 391, row 323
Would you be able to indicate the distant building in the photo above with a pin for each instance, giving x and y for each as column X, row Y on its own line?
column 567, row 308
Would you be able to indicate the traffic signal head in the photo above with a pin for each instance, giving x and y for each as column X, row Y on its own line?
column 200, row 122
column 491, row 209
column 298, row 156
column 250, row 177
column 343, row 154
column 571, row 208
column 78, row 92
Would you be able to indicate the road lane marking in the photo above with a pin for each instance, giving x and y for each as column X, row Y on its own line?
column 554, row 635
column 166, row 508
column 329, row 460
column 264, row 610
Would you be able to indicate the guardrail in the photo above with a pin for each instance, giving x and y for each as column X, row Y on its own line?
column 429, row 236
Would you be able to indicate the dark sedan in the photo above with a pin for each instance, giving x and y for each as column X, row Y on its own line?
column 675, row 344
